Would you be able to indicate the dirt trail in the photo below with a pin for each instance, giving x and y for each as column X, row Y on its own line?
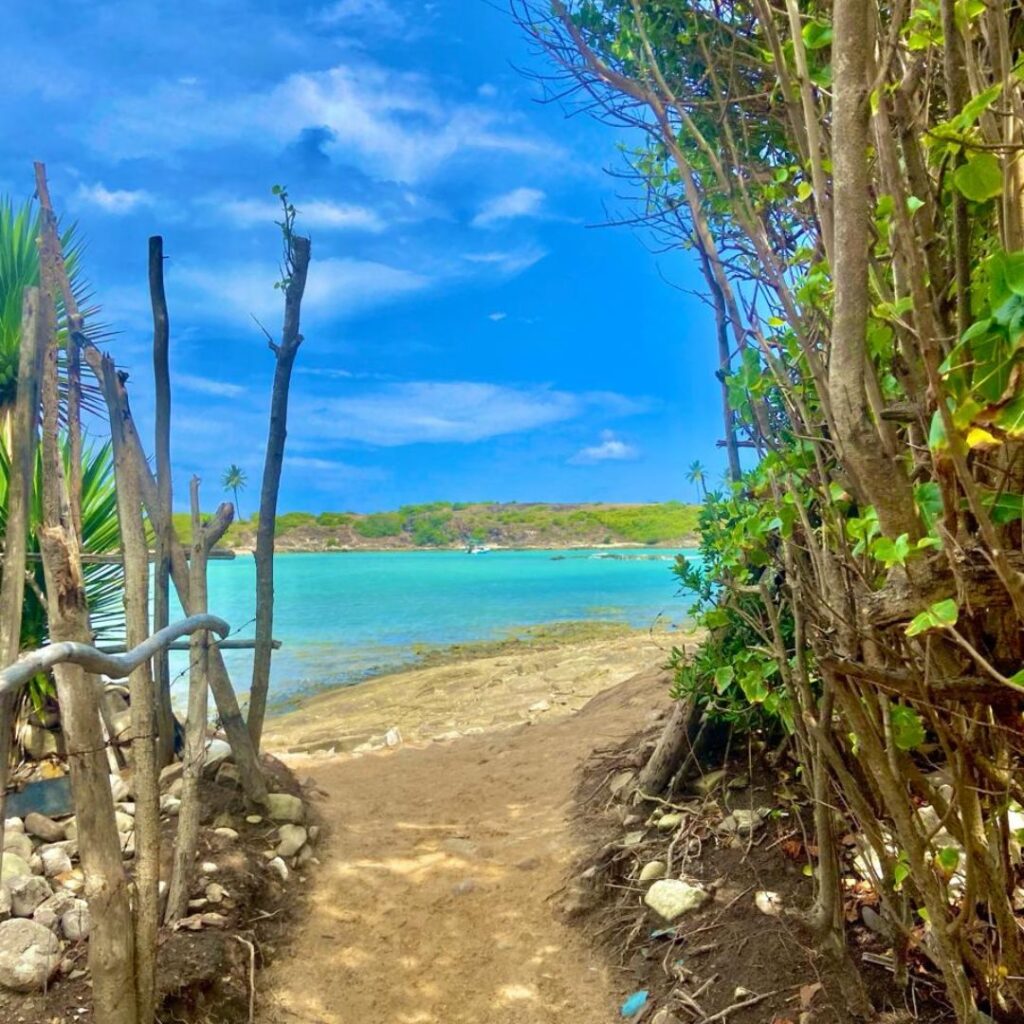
column 432, row 901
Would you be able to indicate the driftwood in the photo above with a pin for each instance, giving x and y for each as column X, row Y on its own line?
column 297, row 252
column 145, row 772
column 186, row 841
column 162, row 448
column 97, row 662
column 24, row 435
column 220, row 682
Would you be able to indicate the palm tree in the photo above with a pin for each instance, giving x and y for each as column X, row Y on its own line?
column 697, row 477
column 234, row 480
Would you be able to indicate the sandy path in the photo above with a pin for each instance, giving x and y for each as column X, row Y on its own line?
column 431, row 904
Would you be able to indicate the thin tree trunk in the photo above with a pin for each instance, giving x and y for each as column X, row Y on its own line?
column 161, row 567
column 187, row 840
column 111, row 953
column 881, row 479
column 143, row 705
column 291, row 339
column 22, row 455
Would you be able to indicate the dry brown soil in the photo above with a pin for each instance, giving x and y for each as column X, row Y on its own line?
column 440, row 859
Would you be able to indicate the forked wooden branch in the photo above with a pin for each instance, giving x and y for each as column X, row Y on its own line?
column 95, row 661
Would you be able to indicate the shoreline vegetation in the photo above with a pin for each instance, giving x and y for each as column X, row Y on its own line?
column 453, row 526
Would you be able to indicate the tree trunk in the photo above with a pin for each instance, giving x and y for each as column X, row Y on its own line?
column 162, row 447
column 186, row 842
column 291, row 339
column 881, row 480
column 111, row 953
column 24, row 436
column 143, row 705
column 674, row 746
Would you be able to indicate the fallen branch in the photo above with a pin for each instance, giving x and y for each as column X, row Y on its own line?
column 95, row 661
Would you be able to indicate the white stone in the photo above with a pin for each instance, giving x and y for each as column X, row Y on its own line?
column 769, row 903
column 671, row 898
column 13, row 825
column 5, row 902
column 27, row 893
column 208, row 867
column 14, row 867
column 285, row 807
column 55, row 860
column 393, row 737
column 279, row 868
column 169, row 804
column 216, row 893
column 291, row 839
column 670, row 822
column 44, row 828
column 541, row 705
column 29, row 955
column 226, row 833
column 652, row 871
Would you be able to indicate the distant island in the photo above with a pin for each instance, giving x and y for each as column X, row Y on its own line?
column 454, row 525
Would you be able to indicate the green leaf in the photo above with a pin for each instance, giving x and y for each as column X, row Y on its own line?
column 948, row 858
column 900, row 873
column 937, row 439
column 804, row 191
column 817, row 35
column 724, row 675
column 941, row 615
column 1010, row 418
column 1013, row 271
column 981, row 178
column 907, row 731
column 975, row 108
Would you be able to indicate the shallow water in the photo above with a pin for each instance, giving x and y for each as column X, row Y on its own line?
column 342, row 617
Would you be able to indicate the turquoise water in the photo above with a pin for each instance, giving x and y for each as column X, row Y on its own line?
column 342, row 617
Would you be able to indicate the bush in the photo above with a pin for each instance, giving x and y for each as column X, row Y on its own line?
column 293, row 521
column 334, row 519
column 379, row 524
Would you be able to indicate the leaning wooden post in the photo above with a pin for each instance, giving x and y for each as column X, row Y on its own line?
column 111, row 952
column 22, row 456
column 162, row 448
column 253, row 783
column 187, row 840
column 145, row 776
column 296, row 264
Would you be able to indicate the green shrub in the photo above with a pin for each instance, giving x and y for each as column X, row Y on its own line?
column 334, row 518
column 379, row 524
column 293, row 521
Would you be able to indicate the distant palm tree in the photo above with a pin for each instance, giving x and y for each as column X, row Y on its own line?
column 697, row 477
column 234, row 480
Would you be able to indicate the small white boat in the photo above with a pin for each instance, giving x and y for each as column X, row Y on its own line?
column 477, row 549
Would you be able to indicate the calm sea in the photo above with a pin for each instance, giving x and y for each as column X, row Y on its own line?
column 343, row 617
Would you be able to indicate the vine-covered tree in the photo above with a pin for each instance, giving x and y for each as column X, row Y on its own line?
column 850, row 177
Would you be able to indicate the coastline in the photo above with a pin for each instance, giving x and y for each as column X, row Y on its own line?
column 468, row 689
column 283, row 547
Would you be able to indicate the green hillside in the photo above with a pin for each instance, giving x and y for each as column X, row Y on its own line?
column 445, row 524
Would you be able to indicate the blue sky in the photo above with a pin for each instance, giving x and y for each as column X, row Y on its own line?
column 469, row 334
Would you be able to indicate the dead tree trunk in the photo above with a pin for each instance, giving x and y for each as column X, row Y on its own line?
column 187, row 840
column 24, row 436
column 297, row 250
column 111, row 952
column 162, row 447
column 674, row 746
column 143, row 703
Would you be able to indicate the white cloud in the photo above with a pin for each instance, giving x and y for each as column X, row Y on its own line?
column 207, row 386
column 335, row 287
column 496, row 317
column 520, row 202
column 327, row 473
column 113, row 200
column 438, row 411
column 487, row 91
column 611, row 449
column 391, row 123
column 513, row 262
column 318, row 213
column 376, row 15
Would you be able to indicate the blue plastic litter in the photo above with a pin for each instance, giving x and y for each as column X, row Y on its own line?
column 46, row 796
column 635, row 1003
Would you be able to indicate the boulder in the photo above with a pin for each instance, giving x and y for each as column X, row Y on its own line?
column 285, row 807
column 13, row 825
column 29, row 955
column 217, row 753
column 37, row 742
column 14, row 867
column 49, row 912
column 291, row 839
column 72, row 881
column 120, row 789
column 743, row 822
column 671, row 898
column 44, row 828
column 19, row 844
column 27, row 893
column 75, row 922
column 5, row 903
